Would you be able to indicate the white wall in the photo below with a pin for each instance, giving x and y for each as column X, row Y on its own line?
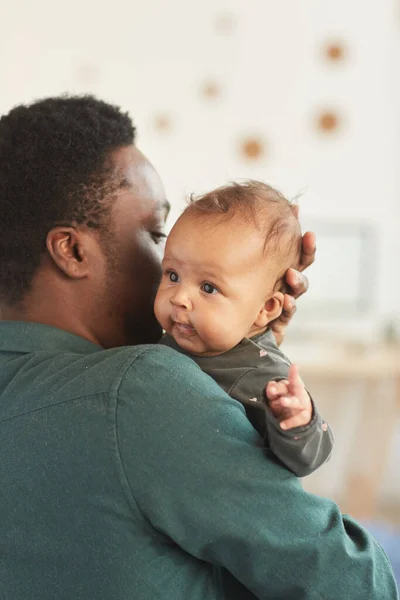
column 154, row 57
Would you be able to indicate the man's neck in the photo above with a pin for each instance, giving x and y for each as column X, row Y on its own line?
column 49, row 310
column 72, row 326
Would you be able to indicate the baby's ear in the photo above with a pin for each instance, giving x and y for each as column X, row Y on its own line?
column 271, row 310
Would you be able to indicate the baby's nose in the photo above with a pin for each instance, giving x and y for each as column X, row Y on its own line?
column 181, row 300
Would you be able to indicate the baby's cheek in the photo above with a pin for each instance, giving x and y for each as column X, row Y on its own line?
column 236, row 328
column 233, row 337
column 223, row 332
column 209, row 331
column 161, row 311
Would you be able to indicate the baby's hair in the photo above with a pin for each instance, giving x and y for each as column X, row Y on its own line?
column 263, row 206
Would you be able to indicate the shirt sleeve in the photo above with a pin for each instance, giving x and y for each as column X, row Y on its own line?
column 302, row 449
column 195, row 469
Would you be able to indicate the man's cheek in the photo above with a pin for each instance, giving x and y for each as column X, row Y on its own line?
column 150, row 261
column 146, row 272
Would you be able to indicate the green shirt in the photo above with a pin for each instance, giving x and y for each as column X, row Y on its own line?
column 128, row 474
column 243, row 372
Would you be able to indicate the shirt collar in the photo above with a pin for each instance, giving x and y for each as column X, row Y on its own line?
column 20, row 336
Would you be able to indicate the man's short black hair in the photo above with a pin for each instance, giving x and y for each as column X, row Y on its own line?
column 54, row 170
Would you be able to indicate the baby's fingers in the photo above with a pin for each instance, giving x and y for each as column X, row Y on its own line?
column 297, row 419
column 285, row 407
column 291, row 403
column 296, row 384
column 275, row 389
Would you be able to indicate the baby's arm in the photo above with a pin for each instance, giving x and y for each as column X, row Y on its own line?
column 307, row 441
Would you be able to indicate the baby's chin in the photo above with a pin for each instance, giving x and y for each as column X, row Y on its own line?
column 189, row 341
column 196, row 346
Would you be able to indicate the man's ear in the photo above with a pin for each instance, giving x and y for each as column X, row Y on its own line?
column 66, row 246
column 270, row 311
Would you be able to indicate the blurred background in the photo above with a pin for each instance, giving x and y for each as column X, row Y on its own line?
column 304, row 95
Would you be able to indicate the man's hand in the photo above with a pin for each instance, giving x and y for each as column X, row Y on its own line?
column 298, row 284
column 289, row 401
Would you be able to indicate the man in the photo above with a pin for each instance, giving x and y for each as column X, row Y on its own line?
column 125, row 471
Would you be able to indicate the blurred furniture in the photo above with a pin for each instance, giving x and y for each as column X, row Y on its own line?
column 376, row 425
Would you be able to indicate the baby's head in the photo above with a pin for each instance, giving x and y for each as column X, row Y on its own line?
column 224, row 267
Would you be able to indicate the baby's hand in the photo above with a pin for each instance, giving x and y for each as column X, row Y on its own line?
column 289, row 401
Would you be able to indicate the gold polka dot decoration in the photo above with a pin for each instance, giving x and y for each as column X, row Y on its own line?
column 335, row 52
column 328, row 121
column 162, row 123
column 253, row 148
column 210, row 90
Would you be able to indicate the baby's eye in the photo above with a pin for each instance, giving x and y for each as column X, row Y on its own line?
column 208, row 288
column 173, row 276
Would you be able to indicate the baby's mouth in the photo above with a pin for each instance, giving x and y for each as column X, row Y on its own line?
column 184, row 328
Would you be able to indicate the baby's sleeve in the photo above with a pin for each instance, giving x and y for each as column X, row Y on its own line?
column 302, row 449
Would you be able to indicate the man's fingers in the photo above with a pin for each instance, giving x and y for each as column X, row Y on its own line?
column 308, row 250
column 297, row 282
column 288, row 308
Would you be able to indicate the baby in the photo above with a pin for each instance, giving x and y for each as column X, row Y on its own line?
column 223, row 282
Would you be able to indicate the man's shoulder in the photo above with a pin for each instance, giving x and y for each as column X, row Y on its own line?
column 43, row 379
column 160, row 362
column 106, row 369
column 163, row 388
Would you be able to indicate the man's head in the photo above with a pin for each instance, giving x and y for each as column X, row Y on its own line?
column 82, row 212
column 224, row 267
